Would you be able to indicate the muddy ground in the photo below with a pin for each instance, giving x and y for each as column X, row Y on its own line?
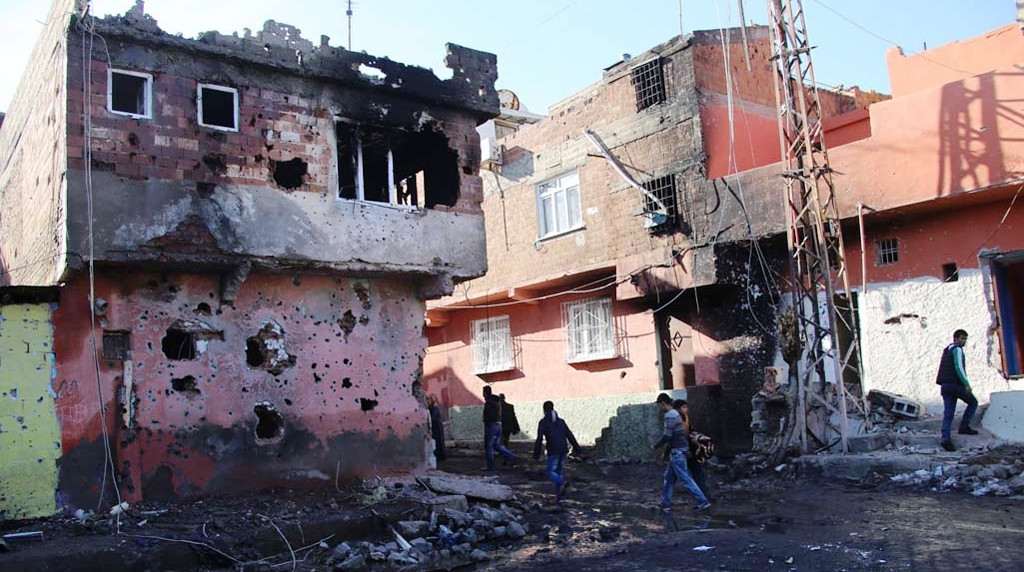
column 609, row 521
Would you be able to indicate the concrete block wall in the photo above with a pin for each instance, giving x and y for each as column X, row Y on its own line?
column 32, row 161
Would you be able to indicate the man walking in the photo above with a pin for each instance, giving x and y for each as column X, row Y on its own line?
column 492, row 429
column 675, row 436
column 952, row 377
column 556, row 431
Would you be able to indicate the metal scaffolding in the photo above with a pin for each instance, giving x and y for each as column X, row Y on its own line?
column 828, row 376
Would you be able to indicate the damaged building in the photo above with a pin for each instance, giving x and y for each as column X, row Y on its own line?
column 625, row 256
column 216, row 253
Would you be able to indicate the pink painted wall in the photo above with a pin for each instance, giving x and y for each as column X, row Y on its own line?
column 964, row 136
column 928, row 241
column 756, row 138
column 846, row 128
column 184, row 443
column 955, row 61
column 541, row 372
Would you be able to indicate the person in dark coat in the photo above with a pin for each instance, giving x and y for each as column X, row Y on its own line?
column 509, row 422
column 436, row 428
column 952, row 377
column 555, row 430
column 492, row 430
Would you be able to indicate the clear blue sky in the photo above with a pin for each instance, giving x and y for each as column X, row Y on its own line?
column 547, row 49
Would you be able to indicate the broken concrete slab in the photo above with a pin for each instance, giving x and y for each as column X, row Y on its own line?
column 869, row 442
column 470, row 488
column 454, row 502
column 1004, row 417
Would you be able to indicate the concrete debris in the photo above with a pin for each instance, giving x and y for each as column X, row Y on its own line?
column 470, row 488
column 413, row 528
column 1004, row 478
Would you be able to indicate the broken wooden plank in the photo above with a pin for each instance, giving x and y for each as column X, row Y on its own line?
column 470, row 488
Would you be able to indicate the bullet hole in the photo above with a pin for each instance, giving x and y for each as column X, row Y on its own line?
column 346, row 383
column 133, row 139
column 287, row 401
column 467, row 170
column 362, row 291
column 185, row 384
column 297, row 280
column 215, row 163
column 270, row 425
column 317, row 378
column 347, row 323
column 289, row 174
column 345, row 361
column 367, row 404
column 266, row 350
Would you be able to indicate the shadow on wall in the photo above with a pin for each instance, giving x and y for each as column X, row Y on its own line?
column 970, row 146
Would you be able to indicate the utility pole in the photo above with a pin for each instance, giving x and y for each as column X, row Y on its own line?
column 815, row 238
column 349, row 14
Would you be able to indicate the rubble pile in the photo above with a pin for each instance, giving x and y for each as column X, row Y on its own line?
column 998, row 472
column 461, row 528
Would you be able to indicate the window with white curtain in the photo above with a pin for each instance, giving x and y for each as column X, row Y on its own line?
column 492, row 345
column 589, row 330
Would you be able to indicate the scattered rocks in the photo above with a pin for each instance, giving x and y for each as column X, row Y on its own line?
column 479, row 555
column 998, row 479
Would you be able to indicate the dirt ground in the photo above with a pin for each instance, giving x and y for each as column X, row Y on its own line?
column 609, row 521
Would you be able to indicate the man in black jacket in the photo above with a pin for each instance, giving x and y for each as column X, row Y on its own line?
column 492, row 430
column 556, row 431
column 952, row 377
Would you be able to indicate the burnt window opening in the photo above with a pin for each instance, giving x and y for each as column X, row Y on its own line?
column 408, row 168
column 188, row 339
column 116, row 345
column 887, row 251
column 270, row 424
column 950, row 273
column 187, row 385
column 649, row 84
column 664, row 216
column 289, row 174
column 129, row 93
column 218, row 107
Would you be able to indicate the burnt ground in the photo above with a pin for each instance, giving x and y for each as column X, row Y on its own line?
column 609, row 521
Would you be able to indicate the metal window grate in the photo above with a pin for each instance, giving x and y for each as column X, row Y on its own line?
column 589, row 330
column 116, row 345
column 664, row 188
column 887, row 251
column 492, row 345
column 649, row 83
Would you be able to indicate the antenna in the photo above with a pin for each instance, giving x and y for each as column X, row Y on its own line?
column 349, row 14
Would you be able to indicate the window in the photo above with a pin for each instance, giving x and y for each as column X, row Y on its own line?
column 589, row 330
column 558, row 205
column 950, row 273
column 664, row 216
column 649, row 83
column 129, row 93
column 887, row 251
column 218, row 107
column 492, row 345
column 415, row 169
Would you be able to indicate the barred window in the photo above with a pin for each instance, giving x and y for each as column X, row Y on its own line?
column 589, row 330
column 657, row 218
column 492, row 345
column 649, row 83
column 887, row 251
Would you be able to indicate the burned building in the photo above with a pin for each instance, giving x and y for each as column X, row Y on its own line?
column 240, row 233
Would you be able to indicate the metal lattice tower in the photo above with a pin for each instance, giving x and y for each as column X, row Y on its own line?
column 815, row 238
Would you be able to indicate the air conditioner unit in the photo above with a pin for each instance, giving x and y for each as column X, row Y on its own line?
column 490, row 153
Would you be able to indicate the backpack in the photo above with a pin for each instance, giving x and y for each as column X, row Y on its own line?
column 701, row 446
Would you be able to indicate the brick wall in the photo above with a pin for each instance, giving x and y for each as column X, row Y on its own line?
column 32, row 159
column 659, row 140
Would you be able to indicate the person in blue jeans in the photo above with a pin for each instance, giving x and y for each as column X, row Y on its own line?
column 558, row 435
column 952, row 377
column 492, row 431
column 674, row 435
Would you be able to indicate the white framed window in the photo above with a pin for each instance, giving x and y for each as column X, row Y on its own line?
column 492, row 345
column 130, row 93
column 558, row 205
column 589, row 330
column 218, row 106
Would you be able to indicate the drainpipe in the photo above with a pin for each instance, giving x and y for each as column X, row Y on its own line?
column 863, row 251
column 622, row 171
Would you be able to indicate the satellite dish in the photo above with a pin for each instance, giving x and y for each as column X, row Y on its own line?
column 508, row 100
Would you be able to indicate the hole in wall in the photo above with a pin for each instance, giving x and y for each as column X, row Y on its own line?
column 367, row 404
column 270, row 425
column 179, row 344
column 289, row 174
column 185, row 384
column 204, row 308
column 266, row 350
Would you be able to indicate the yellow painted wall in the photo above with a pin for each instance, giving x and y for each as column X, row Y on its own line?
column 29, row 432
